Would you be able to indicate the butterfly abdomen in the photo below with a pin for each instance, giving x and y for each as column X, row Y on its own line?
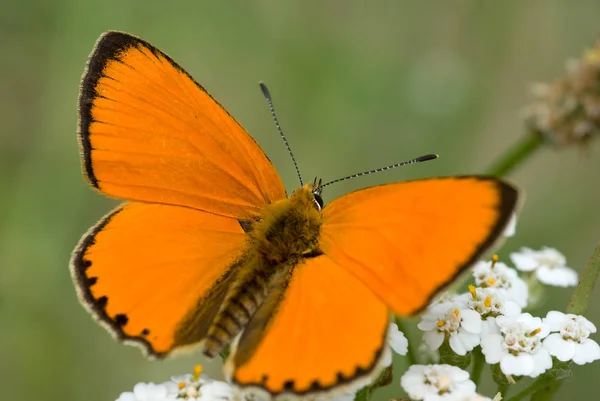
column 243, row 299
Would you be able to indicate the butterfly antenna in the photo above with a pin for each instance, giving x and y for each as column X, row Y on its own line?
column 377, row 170
column 267, row 96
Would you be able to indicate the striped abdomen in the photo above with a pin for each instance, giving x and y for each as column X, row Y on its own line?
column 244, row 298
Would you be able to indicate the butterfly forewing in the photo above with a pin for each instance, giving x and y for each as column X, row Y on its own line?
column 408, row 240
column 149, row 132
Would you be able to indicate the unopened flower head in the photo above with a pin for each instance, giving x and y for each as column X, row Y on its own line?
column 567, row 111
column 570, row 338
column 516, row 343
column 454, row 321
column 550, row 266
column 436, row 382
column 498, row 275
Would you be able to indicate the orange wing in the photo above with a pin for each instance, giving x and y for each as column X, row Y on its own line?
column 156, row 275
column 329, row 329
column 407, row 240
column 149, row 132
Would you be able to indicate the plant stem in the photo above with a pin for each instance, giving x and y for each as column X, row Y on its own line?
column 411, row 355
column 536, row 385
column 515, row 155
column 478, row 365
column 546, row 392
column 581, row 296
column 503, row 389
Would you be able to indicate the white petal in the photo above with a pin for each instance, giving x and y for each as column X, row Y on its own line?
column 457, row 345
column 146, row 391
column 471, row 320
column 557, row 276
column 519, row 292
column 386, row 360
column 469, row 340
column 489, row 326
column 465, row 388
column 127, row 396
column 553, row 255
column 555, row 320
column 491, row 346
column 517, row 365
column 524, row 260
column 560, row 348
column 397, row 340
column 586, row 352
column 511, row 308
column 511, row 227
column 412, row 381
column 427, row 323
column 433, row 339
column 216, row 390
column 542, row 361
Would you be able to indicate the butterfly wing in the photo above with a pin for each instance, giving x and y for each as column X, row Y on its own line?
column 327, row 329
column 149, row 132
column 156, row 275
column 408, row 240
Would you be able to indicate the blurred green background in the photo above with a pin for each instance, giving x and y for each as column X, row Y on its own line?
column 357, row 85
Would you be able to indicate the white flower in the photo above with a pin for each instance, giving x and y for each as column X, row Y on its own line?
column 571, row 340
column 148, row 392
column 216, row 391
column 452, row 320
column 490, row 302
column 396, row 341
column 436, row 382
column 549, row 265
column 516, row 343
column 498, row 275
column 511, row 227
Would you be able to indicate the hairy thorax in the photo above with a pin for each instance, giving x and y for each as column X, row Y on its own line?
column 289, row 229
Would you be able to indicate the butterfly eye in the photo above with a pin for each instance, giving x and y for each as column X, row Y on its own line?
column 318, row 201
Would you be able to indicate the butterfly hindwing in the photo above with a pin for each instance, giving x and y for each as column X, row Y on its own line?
column 156, row 275
column 408, row 240
column 149, row 132
column 328, row 330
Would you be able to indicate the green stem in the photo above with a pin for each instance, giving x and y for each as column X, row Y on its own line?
column 412, row 353
column 546, row 392
column 503, row 389
column 536, row 385
column 515, row 155
column 478, row 364
column 581, row 296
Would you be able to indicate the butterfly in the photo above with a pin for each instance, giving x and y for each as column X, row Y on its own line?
column 208, row 249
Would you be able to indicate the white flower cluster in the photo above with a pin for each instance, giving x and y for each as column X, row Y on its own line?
column 489, row 316
column 439, row 382
column 198, row 387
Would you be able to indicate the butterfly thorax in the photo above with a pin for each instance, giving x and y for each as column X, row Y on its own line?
column 289, row 229
column 286, row 233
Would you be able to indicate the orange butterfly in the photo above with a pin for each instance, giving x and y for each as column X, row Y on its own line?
column 209, row 249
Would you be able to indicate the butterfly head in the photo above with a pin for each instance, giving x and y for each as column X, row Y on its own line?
column 315, row 190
